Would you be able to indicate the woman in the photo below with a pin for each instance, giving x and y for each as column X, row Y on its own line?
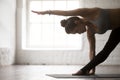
column 94, row 20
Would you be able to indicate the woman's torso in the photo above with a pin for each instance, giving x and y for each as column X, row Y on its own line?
column 108, row 19
column 102, row 22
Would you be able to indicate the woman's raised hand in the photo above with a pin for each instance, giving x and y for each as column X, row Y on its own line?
column 40, row 12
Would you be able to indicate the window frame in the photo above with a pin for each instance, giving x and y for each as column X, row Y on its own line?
column 21, row 39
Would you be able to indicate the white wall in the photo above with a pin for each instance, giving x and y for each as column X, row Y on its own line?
column 71, row 57
column 7, row 31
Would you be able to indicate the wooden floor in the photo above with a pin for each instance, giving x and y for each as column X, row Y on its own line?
column 37, row 72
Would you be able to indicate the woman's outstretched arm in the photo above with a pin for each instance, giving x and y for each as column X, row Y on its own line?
column 75, row 12
column 84, row 12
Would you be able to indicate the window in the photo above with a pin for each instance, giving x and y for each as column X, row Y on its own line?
column 44, row 31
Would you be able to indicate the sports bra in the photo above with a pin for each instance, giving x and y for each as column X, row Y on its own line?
column 102, row 22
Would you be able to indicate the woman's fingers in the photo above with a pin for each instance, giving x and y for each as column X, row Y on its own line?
column 35, row 12
column 39, row 12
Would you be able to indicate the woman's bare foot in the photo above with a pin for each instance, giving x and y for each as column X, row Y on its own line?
column 92, row 72
column 81, row 73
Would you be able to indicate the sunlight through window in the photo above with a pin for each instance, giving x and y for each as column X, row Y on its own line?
column 45, row 32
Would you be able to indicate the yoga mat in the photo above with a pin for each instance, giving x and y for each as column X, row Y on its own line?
column 84, row 76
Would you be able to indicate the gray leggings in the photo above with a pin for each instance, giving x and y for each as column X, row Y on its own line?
column 112, row 42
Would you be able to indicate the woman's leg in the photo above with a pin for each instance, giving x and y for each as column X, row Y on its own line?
column 112, row 42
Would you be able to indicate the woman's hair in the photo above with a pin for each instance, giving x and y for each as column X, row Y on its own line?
column 69, row 23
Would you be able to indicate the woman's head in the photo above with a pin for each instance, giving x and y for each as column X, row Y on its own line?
column 73, row 25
